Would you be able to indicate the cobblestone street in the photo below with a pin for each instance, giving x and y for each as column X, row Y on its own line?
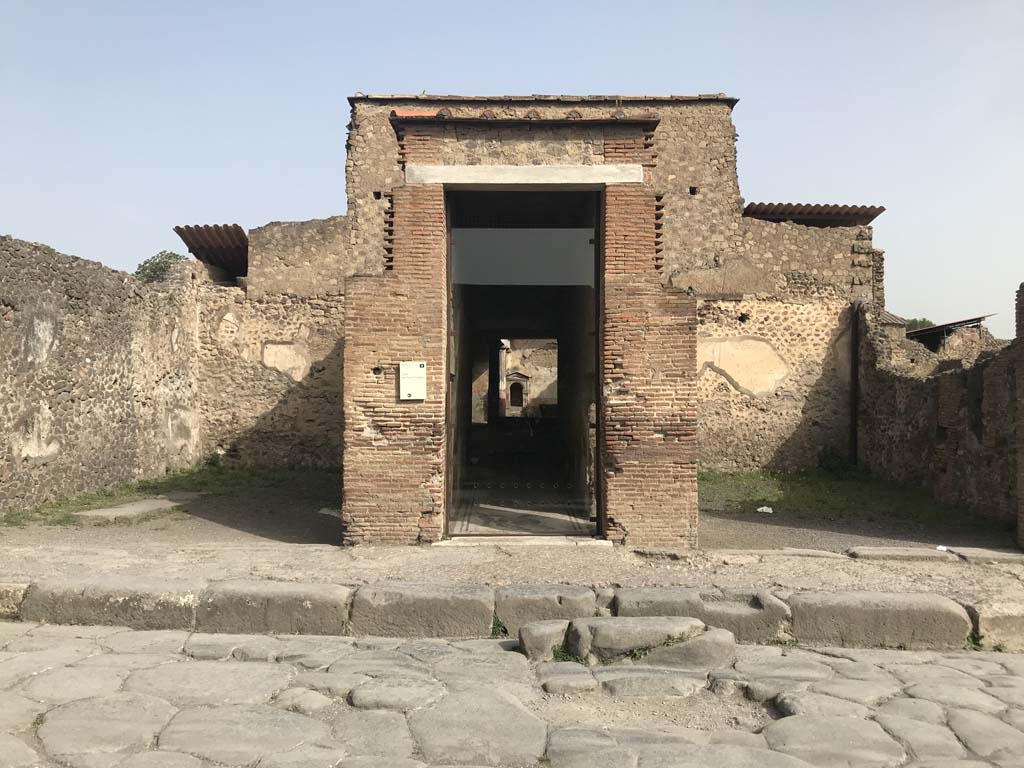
column 98, row 697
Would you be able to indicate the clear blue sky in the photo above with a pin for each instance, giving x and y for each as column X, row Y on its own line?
column 119, row 120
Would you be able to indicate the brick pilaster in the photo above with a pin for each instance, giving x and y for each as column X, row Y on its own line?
column 1020, row 414
column 394, row 468
column 648, row 430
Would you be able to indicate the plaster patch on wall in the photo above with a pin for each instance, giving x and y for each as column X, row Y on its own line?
column 39, row 341
column 290, row 359
column 35, row 442
column 751, row 365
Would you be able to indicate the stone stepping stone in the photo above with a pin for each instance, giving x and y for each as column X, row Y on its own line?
column 612, row 637
column 239, row 734
column 212, row 682
column 120, row 722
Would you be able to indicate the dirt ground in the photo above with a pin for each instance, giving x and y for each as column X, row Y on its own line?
column 287, row 531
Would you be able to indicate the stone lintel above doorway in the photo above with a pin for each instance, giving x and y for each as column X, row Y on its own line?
column 586, row 176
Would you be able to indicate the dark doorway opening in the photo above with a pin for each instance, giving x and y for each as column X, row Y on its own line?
column 522, row 403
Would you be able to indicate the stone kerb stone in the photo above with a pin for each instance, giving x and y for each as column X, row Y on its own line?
column 125, row 601
column 274, row 606
column 423, row 610
column 888, row 620
column 518, row 605
column 753, row 616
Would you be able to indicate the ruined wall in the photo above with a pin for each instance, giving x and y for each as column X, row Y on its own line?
column 1019, row 344
column 96, row 385
column 941, row 424
column 269, row 376
column 300, row 258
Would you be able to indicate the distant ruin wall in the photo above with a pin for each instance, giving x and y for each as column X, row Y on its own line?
column 96, row 383
column 940, row 424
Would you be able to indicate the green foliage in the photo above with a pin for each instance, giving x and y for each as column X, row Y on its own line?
column 498, row 628
column 157, row 267
column 917, row 323
column 852, row 494
column 561, row 653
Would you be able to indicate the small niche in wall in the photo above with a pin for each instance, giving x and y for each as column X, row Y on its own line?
column 694, row 190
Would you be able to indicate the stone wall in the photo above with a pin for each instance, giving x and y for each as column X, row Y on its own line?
column 96, row 381
column 939, row 423
column 269, row 376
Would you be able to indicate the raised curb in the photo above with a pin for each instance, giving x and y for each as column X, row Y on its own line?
column 890, row 620
column 248, row 607
column 466, row 611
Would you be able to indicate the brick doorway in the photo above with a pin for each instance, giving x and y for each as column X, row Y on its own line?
column 399, row 475
column 522, row 401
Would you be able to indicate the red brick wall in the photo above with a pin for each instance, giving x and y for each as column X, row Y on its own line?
column 395, row 450
column 648, row 430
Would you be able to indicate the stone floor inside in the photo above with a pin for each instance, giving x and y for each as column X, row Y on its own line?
column 107, row 696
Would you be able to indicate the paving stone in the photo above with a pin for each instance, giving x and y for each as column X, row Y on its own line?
column 493, row 729
column 11, row 596
column 1000, row 623
column 984, row 734
column 983, row 555
column 881, row 656
column 786, row 668
column 274, row 607
column 26, row 664
column 160, row 759
column 910, row 674
column 17, row 713
column 496, row 645
column 211, row 682
column 302, row 700
column 398, row 694
column 539, row 639
column 518, row 605
column 115, row 723
column 315, row 652
column 817, row 704
column 423, row 610
column 492, row 669
column 128, row 661
column 970, row 665
column 429, row 651
column 608, row 638
column 205, row 646
column 923, row 740
column 379, row 664
column 710, row 650
column 373, row 732
column 752, row 615
column 239, row 734
column 1015, row 717
column 718, row 756
column 738, row 738
column 1011, row 696
column 127, row 601
column 569, row 684
column 15, row 753
column 382, row 762
column 335, row 684
column 834, row 741
column 64, row 684
column 859, row 691
column 886, row 619
column 147, row 641
column 948, row 763
column 956, row 696
column 861, row 670
column 915, row 709
column 658, row 684
column 12, row 629
column 306, row 756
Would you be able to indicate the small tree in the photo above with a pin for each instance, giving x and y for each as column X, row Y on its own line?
column 157, row 267
column 917, row 323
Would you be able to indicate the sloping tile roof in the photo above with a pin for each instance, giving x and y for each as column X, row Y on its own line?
column 222, row 245
column 815, row 215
